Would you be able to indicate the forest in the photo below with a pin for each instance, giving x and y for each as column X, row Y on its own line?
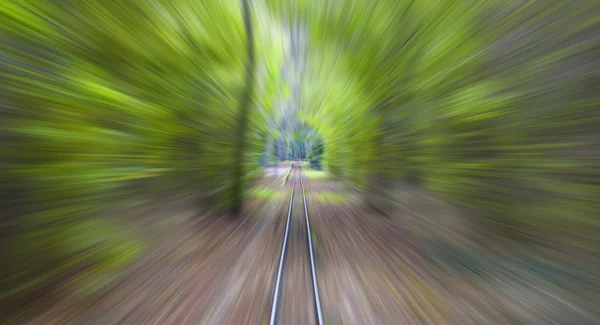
column 486, row 112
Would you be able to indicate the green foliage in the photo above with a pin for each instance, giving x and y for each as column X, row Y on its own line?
column 265, row 194
column 493, row 105
column 107, row 104
column 315, row 174
column 329, row 197
column 111, row 102
column 315, row 155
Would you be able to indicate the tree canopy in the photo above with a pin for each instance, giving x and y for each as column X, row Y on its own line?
column 105, row 104
column 492, row 105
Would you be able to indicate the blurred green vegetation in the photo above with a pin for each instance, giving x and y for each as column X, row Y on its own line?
column 106, row 105
column 111, row 104
column 315, row 174
column 329, row 197
column 265, row 193
column 493, row 105
column 315, row 155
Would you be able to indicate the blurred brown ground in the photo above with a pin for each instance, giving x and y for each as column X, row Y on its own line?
column 416, row 265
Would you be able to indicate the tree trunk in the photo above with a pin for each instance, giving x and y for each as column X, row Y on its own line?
column 238, row 172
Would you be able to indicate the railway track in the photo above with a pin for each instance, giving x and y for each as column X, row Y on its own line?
column 296, row 296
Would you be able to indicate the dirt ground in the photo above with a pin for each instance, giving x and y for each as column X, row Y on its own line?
column 371, row 269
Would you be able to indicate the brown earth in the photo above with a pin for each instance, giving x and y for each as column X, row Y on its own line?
column 371, row 269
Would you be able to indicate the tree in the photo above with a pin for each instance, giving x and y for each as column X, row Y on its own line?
column 480, row 103
column 238, row 172
column 109, row 106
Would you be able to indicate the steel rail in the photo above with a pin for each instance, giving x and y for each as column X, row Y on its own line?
column 283, row 249
column 312, row 260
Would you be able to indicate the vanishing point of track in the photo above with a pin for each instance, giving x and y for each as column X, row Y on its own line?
column 276, row 305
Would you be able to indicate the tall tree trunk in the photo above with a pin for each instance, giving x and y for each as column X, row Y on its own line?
column 238, row 172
